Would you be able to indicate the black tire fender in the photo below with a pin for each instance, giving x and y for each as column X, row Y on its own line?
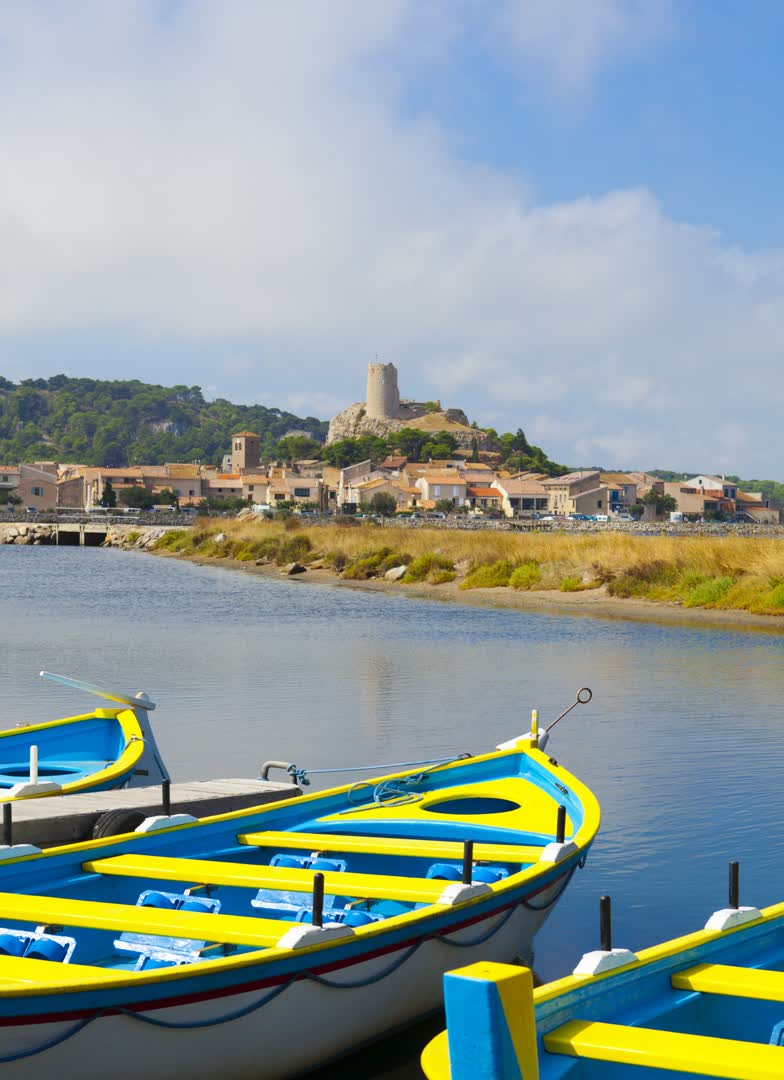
column 116, row 822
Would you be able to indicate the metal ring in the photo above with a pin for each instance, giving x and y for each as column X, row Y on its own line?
column 584, row 690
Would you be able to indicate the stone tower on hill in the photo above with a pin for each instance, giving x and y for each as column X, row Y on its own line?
column 245, row 454
column 383, row 396
column 384, row 412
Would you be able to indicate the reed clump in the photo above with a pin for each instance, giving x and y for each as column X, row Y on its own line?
column 734, row 573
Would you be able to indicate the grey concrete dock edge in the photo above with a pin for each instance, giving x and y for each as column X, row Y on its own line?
column 68, row 819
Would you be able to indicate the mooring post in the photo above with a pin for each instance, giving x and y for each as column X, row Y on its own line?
column 605, row 924
column 735, row 885
column 317, row 918
column 560, row 829
column 490, row 1022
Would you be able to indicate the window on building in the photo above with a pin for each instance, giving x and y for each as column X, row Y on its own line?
column 599, row 503
column 301, row 493
column 38, row 491
column 191, row 492
column 437, row 491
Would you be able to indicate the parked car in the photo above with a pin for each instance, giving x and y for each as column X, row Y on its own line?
column 580, row 517
column 600, row 517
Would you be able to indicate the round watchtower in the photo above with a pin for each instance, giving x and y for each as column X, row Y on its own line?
column 383, row 397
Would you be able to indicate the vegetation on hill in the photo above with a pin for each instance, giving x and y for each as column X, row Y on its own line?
column 731, row 573
column 127, row 422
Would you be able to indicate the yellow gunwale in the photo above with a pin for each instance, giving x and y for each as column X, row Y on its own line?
column 128, row 759
column 413, row 919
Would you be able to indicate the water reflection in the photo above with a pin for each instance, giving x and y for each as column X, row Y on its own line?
column 681, row 743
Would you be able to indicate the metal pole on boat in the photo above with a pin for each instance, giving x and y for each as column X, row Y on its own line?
column 605, row 924
column 33, row 764
column 560, row 829
column 317, row 918
column 8, row 824
column 468, row 862
column 584, row 695
column 166, row 796
column 735, row 885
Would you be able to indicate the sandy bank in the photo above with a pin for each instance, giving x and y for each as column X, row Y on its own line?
column 591, row 602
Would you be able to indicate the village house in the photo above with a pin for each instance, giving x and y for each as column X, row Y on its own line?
column 442, row 484
column 9, row 478
column 622, row 488
column 578, row 493
column 37, row 486
column 522, row 496
column 483, row 498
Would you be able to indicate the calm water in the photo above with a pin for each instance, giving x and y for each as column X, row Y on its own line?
column 682, row 743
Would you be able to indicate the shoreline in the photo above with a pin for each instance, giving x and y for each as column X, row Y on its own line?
column 591, row 603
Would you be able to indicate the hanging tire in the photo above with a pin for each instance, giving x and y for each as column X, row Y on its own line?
column 116, row 822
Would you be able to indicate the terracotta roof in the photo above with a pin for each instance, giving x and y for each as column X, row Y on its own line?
column 394, row 461
column 521, row 486
column 183, row 472
column 573, row 477
column 484, row 492
column 245, row 435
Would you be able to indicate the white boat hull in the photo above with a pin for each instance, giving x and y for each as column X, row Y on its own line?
column 302, row 1028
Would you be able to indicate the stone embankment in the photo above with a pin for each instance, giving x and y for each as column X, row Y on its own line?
column 91, row 534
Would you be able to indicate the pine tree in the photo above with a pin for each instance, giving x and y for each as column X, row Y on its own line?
column 108, row 495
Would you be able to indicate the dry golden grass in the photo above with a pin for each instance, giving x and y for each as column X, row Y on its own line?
column 728, row 572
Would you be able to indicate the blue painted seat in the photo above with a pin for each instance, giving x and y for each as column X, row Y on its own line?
column 37, row 945
column 454, row 872
column 153, row 950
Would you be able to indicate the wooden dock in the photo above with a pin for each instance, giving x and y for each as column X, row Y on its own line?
column 68, row 819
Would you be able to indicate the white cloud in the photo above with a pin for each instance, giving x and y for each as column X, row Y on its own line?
column 237, row 180
column 565, row 43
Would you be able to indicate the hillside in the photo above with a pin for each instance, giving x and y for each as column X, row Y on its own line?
column 127, row 422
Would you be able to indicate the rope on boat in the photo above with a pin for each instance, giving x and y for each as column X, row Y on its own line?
column 265, row 999
column 300, row 776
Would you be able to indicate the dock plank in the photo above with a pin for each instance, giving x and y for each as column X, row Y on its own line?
column 68, row 819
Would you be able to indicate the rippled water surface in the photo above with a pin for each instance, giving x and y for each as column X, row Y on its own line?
column 682, row 743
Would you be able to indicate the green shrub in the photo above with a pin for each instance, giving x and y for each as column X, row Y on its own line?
column 709, row 592
column 132, row 536
column 639, row 579
column 441, row 577
column 526, row 576
column 421, row 568
column 775, row 598
column 367, row 565
column 293, row 549
column 571, row 584
column 490, row 576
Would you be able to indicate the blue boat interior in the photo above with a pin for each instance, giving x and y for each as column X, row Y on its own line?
column 66, row 753
column 649, row 998
column 260, row 865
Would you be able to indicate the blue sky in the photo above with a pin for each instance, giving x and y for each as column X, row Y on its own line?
column 561, row 215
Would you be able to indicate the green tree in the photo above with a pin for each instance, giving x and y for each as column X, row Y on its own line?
column 445, row 506
column 664, row 504
column 383, row 503
column 9, row 498
column 297, row 447
column 474, row 450
column 137, row 497
column 167, row 497
column 108, row 495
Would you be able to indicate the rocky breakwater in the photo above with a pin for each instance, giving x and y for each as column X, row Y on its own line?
column 140, row 537
column 27, row 534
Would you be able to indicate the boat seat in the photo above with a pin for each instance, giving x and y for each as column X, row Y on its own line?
column 698, row 1055
column 96, row 915
column 204, row 871
column 402, row 846
column 302, row 862
column 36, row 945
column 155, row 950
column 732, row 981
column 454, row 872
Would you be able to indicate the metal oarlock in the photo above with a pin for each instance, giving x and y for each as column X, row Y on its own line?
column 560, row 829
column 584, row 695
column 734, row 885
column 317, row 918
column 605, row 924
column 468, row 862
column 8, row 824
column 166, row 797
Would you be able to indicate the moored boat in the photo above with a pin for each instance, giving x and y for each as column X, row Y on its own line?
column 107, row 748
column 710, row 1004
column 265, row 942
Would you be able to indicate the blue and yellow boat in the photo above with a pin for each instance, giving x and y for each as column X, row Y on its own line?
column 107, row 748
column 265, row 942
column 710, row 1004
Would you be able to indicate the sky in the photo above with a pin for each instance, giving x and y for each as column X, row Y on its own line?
column 560, row 215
